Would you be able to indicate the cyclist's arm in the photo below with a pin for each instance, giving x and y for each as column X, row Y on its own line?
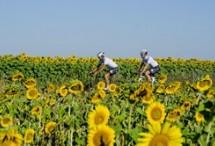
column 145, row 68
column 141, row 66
column 95, row 69
column 100, row 68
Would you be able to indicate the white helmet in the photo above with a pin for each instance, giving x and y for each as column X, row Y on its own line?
column 101, row 54
column 144, row 51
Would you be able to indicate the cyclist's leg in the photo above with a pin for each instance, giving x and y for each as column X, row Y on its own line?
column 148, row 75
column 107, row 79
column 113, row 73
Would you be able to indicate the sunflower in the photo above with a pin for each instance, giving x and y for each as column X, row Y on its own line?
column 10, row 138
column 6, row 121
column 162, row 78
column 166, row 135
column 29, row 136
column 144, row 91
column 117, row 92
column 11, row 92
column 32, row 93
column 145, row 94
column 147, row 99
column 160, row 89
column 101, row 136
column 98, row 96
column 17, row 77
column 51, row 88
column 173, row 87
column 211, row 93
column 76, row 87
column 156, row 113
column 204, row 84
column 52, row 101
column 186, row 105
column 174, row 115
column 95, row 99
column 30, row 83
column 100, row 85
column 112, row 88
column 133, row 97
column 36, row 111
column 99, row 116
column 199, row 117
column 62, row 91
column 50, row 126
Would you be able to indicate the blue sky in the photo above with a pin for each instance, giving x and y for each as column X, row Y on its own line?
column 121, row 28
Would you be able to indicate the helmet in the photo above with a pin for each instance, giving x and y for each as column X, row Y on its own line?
column 144, row 51
column 101, row 54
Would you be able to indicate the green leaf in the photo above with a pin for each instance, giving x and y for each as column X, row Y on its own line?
column 213, row 142
column 134, row 133
column 202, row 140
column 201, row 107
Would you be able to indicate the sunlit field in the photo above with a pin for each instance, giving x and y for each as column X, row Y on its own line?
column 48, row 101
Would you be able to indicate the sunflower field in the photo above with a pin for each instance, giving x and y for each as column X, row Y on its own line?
column 53, row 101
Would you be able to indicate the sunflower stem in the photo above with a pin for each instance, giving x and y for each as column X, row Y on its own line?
column 129, row 118
column 197, row 101
column 122, row 139
column 71, row 132
column 69, row 112
column 209, row 133
column 71, row 137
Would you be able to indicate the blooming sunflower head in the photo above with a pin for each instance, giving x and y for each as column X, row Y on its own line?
column 199, row 117
column 166, row 135
column 211, row 93
column 36, row 111
column 186, row 105
column 30, row 83
column 29, row 136
column 6, row 121
column 52, row 101
column 62, row 91
column 17, row 77
column 11, row 92
column 118, row 91
column 100, row 85
column 98, row 97
column 99, row 116
column 50, row 127
column 147, row 99
column 204, row 84
column 173, row 87
column 51, row 88
column 162, row 78
column 133, row 97
column 32, row 93
column 144, row 91
column 156, row 113
column 10, row 138
column 76, row 87
column 160, row 89
column 101, row 136
column 112, row 88
column 174, row 115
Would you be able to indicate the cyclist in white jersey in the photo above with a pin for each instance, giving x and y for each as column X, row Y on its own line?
column 148, row 67
column 105, row 61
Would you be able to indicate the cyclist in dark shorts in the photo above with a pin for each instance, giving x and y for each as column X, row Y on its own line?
column 105, row 61
column 148, row 67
